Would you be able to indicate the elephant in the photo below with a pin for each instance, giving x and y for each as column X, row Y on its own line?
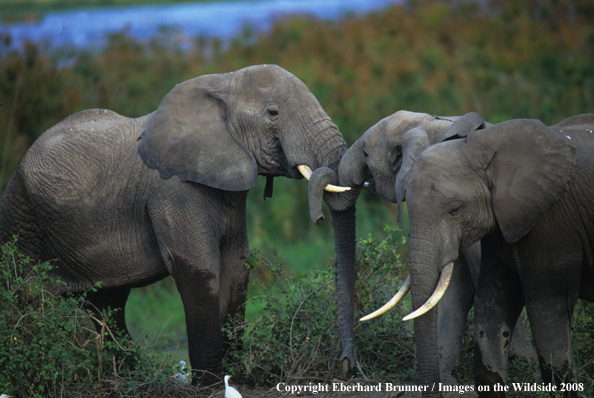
column 524, row 191
column 129, row 201
column 386, row 153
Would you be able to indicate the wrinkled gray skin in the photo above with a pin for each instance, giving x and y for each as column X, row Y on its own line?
column 129, row 201
column 386, row 153
column 525, row 191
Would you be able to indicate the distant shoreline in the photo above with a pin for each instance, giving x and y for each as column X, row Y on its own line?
column 12, row 11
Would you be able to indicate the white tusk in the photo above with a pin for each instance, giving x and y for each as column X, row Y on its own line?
column 395, row 300
column 442, row 285
column 336, row 188
column 306, row 172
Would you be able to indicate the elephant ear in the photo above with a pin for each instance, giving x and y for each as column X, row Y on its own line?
column 188, row 136
column 463, row 125
column 530, row 167
column 412, row 143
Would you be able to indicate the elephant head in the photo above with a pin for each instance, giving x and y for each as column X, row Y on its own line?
column 223, row 130
column 386, row 153
column 504, row 177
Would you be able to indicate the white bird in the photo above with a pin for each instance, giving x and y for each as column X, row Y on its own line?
column 181, row 375
column 230, row 392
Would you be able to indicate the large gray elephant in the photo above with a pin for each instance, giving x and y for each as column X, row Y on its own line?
column 129, row 201
column 386, row 153
column 525, row 191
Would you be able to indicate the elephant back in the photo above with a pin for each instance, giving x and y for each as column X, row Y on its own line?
column 80, row 153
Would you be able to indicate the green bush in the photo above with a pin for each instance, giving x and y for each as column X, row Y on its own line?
column 297, row 336
column 50, row 347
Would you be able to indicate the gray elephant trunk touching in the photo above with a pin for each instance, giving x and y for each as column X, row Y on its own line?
column 342, row 206
column 321, row 177
column 343, row 223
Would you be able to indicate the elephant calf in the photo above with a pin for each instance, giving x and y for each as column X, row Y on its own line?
column 129, row 201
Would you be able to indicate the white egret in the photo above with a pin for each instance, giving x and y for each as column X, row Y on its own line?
column 230, row 392
column 181, row 375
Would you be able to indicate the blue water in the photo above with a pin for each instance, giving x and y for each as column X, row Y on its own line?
column 89, row 27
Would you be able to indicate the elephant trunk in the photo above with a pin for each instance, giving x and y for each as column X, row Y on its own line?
column 342, row 206
column 353, row 171
column 343, row 223
column 424, row 279
column 322, row 187
column 318, row 180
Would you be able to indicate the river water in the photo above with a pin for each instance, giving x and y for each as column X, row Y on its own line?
column 89, row 27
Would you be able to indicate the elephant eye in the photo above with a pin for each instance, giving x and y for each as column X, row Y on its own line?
column 455, row 210
column 273, row 113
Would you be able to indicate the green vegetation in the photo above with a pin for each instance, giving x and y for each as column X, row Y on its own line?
column 518, row 60
column 296, row 337
column 50, row 347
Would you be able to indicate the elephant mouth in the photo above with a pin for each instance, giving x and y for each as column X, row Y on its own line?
column 440, row 289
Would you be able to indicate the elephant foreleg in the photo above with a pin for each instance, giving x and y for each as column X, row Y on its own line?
column 498, row 303
column 199, row 291
column 521, row 345
column 550, row 319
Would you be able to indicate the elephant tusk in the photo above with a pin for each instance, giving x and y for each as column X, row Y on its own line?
column 306, row 172
column 395, row 300
column 442, row 285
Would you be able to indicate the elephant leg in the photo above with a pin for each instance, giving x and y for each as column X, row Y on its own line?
column 114, row 299
column 199, row 288
column 451, row 319
column 234, row 283
column 550, row 320
column 498, row 303
column 520, row 343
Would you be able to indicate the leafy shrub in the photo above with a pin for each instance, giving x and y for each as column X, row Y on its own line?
column 298, row 338
column 49, row 345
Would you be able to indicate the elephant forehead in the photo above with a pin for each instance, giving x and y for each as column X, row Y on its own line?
column 441, row 168
column 436, row 159
column 267, row 78
column 393, row 126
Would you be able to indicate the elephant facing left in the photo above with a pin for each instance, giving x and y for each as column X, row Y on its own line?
column 127, row 202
